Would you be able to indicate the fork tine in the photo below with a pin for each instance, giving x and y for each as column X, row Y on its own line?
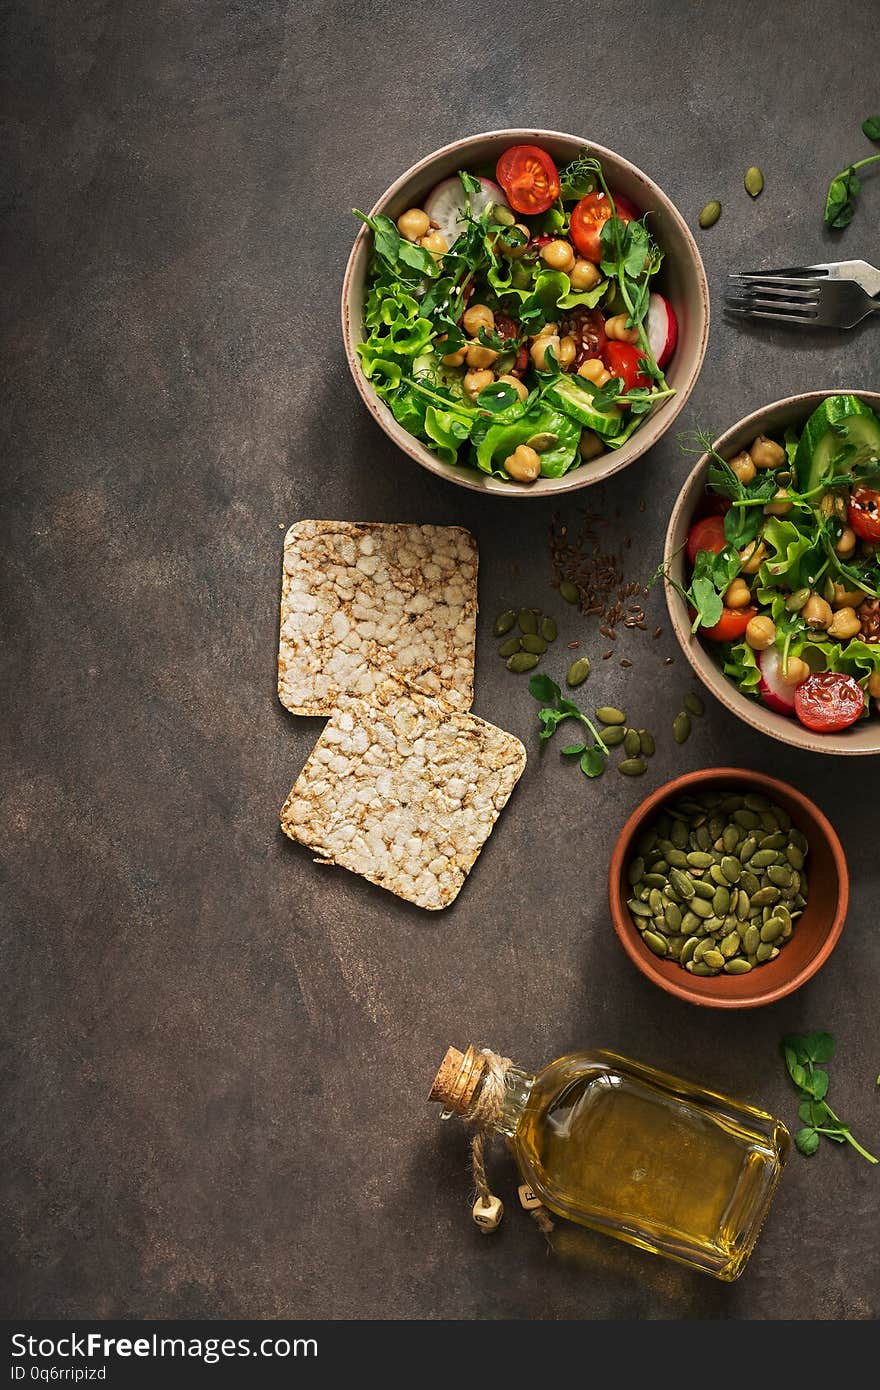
column 783, row 273
column 794, row 289
column 762, row 314
column 782, row 306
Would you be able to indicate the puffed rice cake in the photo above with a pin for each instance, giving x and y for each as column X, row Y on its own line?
column 410, row 591
column 404, row 791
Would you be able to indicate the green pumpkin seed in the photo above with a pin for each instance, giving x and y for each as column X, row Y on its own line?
column 750, row 882
column 654, row 943
column 701, row 839
column 570, row 592
column 673, row 917
column 771, row 929
column 632, row 767
column 639, row 909
column 781, row 874
column 509, row 647
column 646, row 744
column 636, row 871
column 531, row 642
column 607, row 714
column 742, row 905
column 799, row 840
column 746, row 849
column 693, row 704
column 710, row 214
column 528, row 621
column 577, row 672
column 762, row 858
column 681, row 727
column 764, row 951
column 706, row 891
column 714, row 959
column 673, row 946
column 721, row 901
column 731, row 868
column 698, row 859
column 677, row 857
column 690, row 922
column 795, row 602
column 679, row 834
column 683, row 882
column 701, row 908
column 732, row 802
column 775, row 840
column 730, row 838
column 784, row 916
column 754, row 181
column 730, row 945
column 795, row 857
column 749, row 820
column 765, row 897
column 738, row 966
column 632, row 744
column 504, row 622
column 613, row 736
column 751, row 940
column 687, row 950
column 698, row 968
column 522, row 661
column 654, row 880
column 502, row 216
column 549, row 630
column 756, row 801
column 718, row 876
column 655, row 898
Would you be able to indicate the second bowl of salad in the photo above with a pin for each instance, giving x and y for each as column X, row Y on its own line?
column 524, row 312
column 773, row 570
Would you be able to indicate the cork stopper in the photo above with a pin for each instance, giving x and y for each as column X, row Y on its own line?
column 457, row 1078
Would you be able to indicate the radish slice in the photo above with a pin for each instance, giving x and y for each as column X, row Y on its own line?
column 773, row 689
column 662, row 329
column 445, row 205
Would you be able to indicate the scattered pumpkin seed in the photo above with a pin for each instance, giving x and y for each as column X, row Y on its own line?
column 710, row 214
column 795, row 602
column 577, row 672
column 693, row 704
column 521, row 662
column 532, row 642
column 607, row 714
column 737, row 966
column 632, row 767
column 528, row 621
column 569, row 591
column 509, row 647
column 504, row 622
column 549, row 630
column 753, row 181
column 632, row 744
column 613, row 736
column 681, row 727
column 647, row 745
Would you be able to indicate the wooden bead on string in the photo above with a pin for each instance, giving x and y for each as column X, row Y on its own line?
column 487, row 1212
column 527, row 1197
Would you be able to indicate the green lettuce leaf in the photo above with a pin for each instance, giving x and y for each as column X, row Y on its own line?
column 500, row 440
column 738, row 661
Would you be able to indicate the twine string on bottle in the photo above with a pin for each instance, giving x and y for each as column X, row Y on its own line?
column 484, row 1113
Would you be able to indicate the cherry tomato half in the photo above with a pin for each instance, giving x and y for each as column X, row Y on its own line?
column 622, row 359
column 864, row 513
column 590, row 216
column 529, row 178
column 706, row 534
column 732, row 624
column 828, row 702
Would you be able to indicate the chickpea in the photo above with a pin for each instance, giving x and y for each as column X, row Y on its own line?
column 844, row 624
column 513, row 253
column 584, row 275
column 548, row 330
column 476, row 317
column 753, row 556
column 479, row 356
column 539, row 350
column 795, row 672
column 475, row 382
column 764, row 453
column 847, row 543
column 874, row 685
column 523, row 465
column 435, row 242
column 413, row 224
column 761, row 633
column 781, row 504
column 816, row 612
column 616, row 328
column 742, row 467
column 567, row 352
column 558, row 255
column 454, row 359
column 590, row 445
column 846, row 598
column 593, row 370
column 521, row 390
column 738, row 595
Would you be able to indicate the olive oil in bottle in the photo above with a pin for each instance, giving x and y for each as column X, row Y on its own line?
column 658, row 1162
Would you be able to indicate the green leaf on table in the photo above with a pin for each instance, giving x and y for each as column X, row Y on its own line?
column 871, row 127
column 574, row 750
column 819, row 1047
column 813, row 1112
column 593, row 762
column 817, row 1085
column 806, row 1141
column 543, row 688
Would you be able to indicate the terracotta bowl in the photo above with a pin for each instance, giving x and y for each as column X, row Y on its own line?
column 863, row 737
column 682, row 279
column 816, row 931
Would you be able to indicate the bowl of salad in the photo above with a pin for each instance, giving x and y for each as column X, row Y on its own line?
column 773, row 570
column 524, row 312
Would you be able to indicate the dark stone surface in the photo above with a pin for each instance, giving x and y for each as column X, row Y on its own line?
column 218, row 1053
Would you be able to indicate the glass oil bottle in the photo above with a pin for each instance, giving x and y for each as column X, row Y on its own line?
column 614, row 1145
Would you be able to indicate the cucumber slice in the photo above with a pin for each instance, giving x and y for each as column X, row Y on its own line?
column 577, row 403
column 839, row 421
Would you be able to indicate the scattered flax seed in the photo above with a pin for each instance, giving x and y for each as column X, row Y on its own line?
column 669, row 660
column 658, row 632
column 572, row 646
column 605, row 655
column 624, row 662
column 643, row 506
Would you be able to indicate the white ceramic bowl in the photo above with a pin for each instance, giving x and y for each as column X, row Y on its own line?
column 864, row 736
column 682, row 279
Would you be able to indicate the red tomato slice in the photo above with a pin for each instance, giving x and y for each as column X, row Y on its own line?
column 590, row 216
column 732, row 624
column 828, row 702
column 706, row 534
column 529, row 178
column 864, row 513
column 622, row 359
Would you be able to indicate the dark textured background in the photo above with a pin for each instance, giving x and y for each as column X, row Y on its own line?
column 218, row 1053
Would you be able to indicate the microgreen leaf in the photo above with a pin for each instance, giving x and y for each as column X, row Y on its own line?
column 871, row 127
column 819, row 1047
column 800, row 1053
column 806, row 1141
column 593, row 762
column 574, row 750
column 543, row 688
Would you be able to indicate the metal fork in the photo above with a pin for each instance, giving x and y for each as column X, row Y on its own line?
column 864, row 274
column 807, row 301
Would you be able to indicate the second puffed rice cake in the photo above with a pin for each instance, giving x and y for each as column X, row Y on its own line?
column 410, row 590
column 404, row 791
